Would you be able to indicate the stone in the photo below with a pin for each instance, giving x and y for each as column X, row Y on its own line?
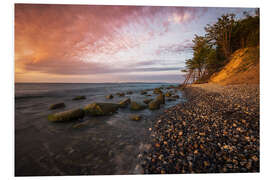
column 109, row 96
column 135, row 117
column 79, row 98
column 143, row 92
column 120, row 94
column 147, row 101
column 124, row 103
column 101, row 109
column 136, row 106
column 69, row 115
column 57, row 106
column 155, row 104
column 161, row 98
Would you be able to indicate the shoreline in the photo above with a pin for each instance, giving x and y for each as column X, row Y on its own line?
column 215, row 131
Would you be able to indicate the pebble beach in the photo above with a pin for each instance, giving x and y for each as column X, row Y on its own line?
column 215, row 131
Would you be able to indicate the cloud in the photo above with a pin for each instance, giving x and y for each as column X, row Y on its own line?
column 175, row 48
column 82, row 40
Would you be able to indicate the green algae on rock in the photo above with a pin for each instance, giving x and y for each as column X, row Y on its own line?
column 69, row 115
column 101, row 109
column 57, row 106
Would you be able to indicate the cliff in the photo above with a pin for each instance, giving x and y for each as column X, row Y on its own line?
column 243, row 68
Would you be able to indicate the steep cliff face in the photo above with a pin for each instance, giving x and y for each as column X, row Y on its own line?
column 243, row 68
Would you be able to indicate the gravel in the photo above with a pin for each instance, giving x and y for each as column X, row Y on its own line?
column 215, row 131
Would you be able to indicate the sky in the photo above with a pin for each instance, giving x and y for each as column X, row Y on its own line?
column 96, row 44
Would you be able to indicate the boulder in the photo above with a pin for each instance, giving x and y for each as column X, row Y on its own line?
column 135, row 117
column 157, row 91
column 109, row 96
column 136, row 106
column 120, row 94
column 171, row 99
column 155, row 104
column 161, row 98
column 124, row 103
column 168, row 94
column 69, row 115
column 147, row 101
column 79, row 98
column 57, row 106
column 143, row 92
column 129, row 92
column 101, row 109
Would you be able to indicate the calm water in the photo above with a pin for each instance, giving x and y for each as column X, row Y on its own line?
column 103, row 145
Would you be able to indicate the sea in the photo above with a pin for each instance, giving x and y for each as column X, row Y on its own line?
column 104, row 145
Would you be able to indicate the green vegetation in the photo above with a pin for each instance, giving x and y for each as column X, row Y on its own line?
column 212, row 51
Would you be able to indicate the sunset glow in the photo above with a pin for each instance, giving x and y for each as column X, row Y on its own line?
column 79, row 43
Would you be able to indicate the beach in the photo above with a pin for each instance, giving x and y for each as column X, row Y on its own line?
column 215, row 131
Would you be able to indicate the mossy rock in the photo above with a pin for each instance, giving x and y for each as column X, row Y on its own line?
column 120, row 94
column 135, row 117
column 157, row 91
column 143, row 92
column 69, row 115
column 161, row 98
column 155, row 104
column 129, row 92
column 136, row 106
column 79, row 98
column 171, row 99
column 57, row 106
column 101, row 109
column 109, row 96
column 168, row 94
column 124, row 103
column 147, row 101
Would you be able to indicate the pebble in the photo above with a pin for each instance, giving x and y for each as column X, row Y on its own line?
column 215, row 131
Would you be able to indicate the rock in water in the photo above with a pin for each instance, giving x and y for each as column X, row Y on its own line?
column 101, row 109
column 147, row 101
column 109, row 96
column 124, row 103
column 168, row 94
column 157, row 91
column 69, row 115
column 155, row 104
column 79, row 98
column 129, row 92
column 135, row 117
column 136, row 106
column 161, row 98
column 120, row 94
column 143, row 92
column 57, row 106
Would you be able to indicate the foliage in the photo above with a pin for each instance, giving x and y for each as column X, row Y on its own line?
column 212, row 51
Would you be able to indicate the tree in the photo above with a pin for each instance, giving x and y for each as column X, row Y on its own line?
column 220, row 33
